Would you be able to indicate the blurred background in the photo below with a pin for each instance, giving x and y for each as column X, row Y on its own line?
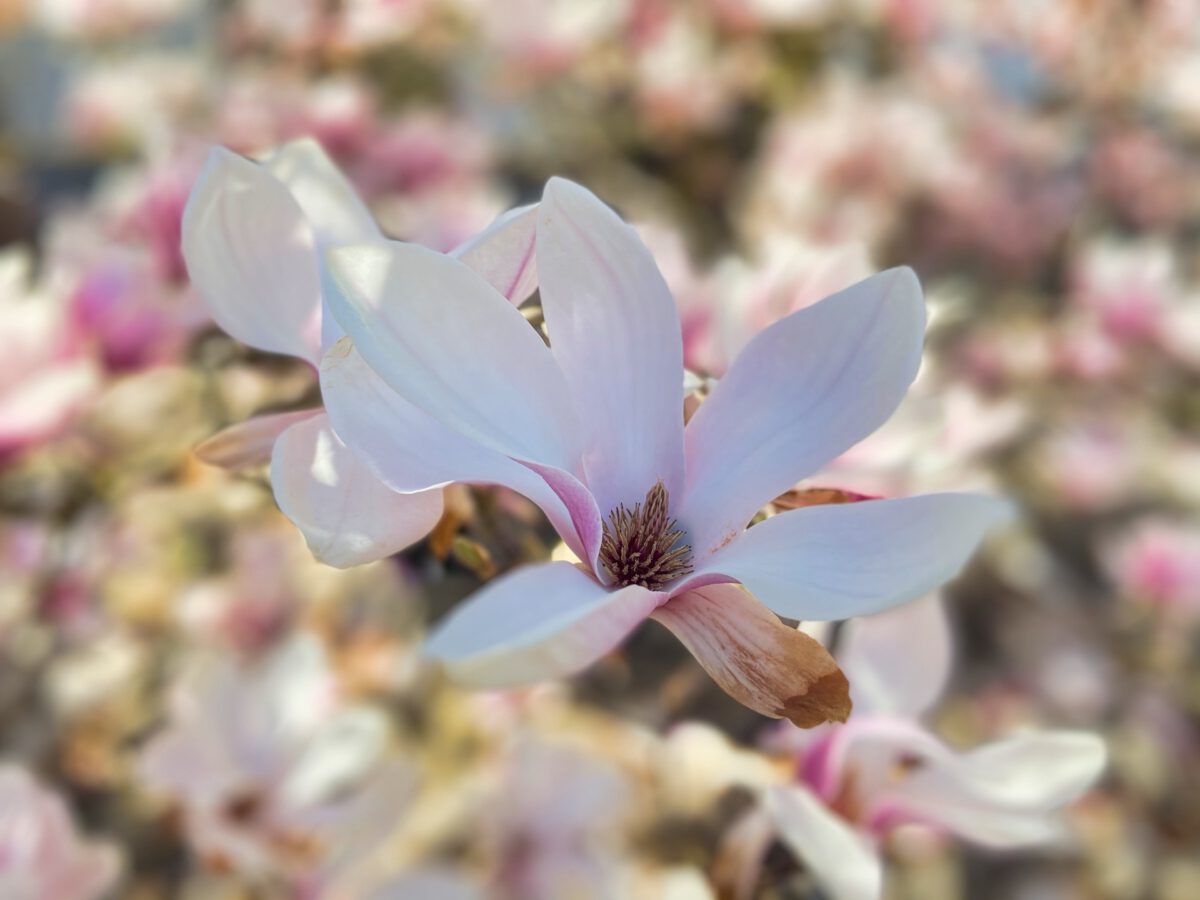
column 191, row 706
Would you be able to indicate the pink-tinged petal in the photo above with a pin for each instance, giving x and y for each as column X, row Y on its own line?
column 249, row 443
column 252, row 256
column 615, row 332
column 410, row 451
column 1002, row 794
column 804, row 390
column 898, row 661
column 503, row 253
column 446, row 341
column 755, row 658
column 581, row 507
column 328, row 200
column 854, row 559
column 536, row 623
column 842, row 860
column 347, row 516
column 870, row 749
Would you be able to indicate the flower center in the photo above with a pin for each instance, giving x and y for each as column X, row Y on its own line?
column 643, row 546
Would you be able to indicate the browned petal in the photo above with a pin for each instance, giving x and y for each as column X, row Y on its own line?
column 817, row 496
column 755, row 658
column 248, row 443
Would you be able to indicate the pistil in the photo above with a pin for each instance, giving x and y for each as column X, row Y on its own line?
column 644, row 546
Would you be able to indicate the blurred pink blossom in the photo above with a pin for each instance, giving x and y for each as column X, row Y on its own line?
column 938, row 439
column 277, row 776
column 119, row 260
column 1127, row 287
column 98, row 19
column 47, row 373
column 1093, row 464
column 1157, row 560
column 41, row 855
column 545, row 36
column 857, row 784
column 683, row 80
column 1140, row 172
column 552, row 821
column 823, row 173
column 132, row 100
column 723, row 308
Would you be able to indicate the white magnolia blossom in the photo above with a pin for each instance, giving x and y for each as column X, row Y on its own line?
column 277, row 776
column 441, row 379
column 252, row 238
column 857, row 783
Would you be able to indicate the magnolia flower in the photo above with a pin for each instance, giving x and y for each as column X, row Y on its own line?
column 859, row 782
column 277, row 777
column 441, row 379
column 41, row 856
column 252, row 236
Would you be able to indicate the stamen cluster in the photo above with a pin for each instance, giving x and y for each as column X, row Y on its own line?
column 643, row 546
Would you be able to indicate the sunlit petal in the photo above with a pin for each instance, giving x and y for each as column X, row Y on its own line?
column 446, row 341
column 251, row 254
column 347, row 516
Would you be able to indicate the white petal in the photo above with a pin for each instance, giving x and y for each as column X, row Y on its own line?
column 342, row 752
column 756, row 659
column 536, row 623
column 327, row 198
column 331, row 206
column 804, row 390
column 898, row 661
column 447, row 342
column 842, row 860
column 503, row 253
column 854, row 559
column 252, row 256
column 615, row 332
column 409, row 450
column 249, row 443
column 346, row 514
column 1002, row 794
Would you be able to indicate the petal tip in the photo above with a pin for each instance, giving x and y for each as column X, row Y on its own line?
column 205, row 187
column 558, row 184
column 827, row 699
